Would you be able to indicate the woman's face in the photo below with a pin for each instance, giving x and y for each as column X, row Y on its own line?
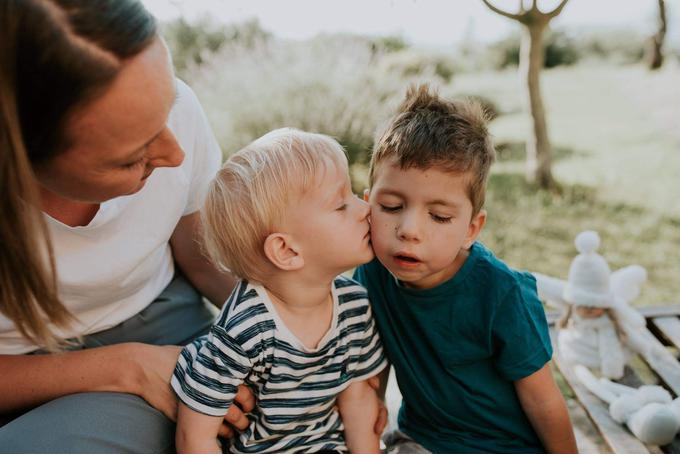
column 117, row 140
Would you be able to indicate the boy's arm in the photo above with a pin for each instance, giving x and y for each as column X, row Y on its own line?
column 544, row 405
column 359, row 408
column 196, row 433
column 379, row 384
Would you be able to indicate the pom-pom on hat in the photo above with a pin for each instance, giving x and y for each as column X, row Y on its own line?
column 588, row 283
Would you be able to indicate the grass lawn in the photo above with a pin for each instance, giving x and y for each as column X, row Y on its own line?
column 617, row 153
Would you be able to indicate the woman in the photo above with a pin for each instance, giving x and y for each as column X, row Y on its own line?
column 104, row 159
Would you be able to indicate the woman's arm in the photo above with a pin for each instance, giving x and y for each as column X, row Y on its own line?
column 210, row 282
column 544, row 405
column 143, row 370
column 140, row 369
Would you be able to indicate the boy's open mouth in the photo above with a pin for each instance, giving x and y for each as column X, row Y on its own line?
column 406, row 258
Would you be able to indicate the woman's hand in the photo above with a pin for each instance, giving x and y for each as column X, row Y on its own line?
column 152, row 371
column 154, row 367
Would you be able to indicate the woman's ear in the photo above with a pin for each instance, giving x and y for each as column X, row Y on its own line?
column 282, row 252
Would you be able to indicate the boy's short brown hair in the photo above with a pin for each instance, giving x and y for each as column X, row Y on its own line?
column 430, row 131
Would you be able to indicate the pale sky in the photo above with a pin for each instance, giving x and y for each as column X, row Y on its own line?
column 421, row 22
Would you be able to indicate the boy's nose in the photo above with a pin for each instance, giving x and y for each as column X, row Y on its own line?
column 407, row 229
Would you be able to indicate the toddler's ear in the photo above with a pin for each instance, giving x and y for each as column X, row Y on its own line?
column 367, row 192
column 282, row 252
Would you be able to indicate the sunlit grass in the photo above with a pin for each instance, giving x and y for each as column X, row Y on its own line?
column 617, row 154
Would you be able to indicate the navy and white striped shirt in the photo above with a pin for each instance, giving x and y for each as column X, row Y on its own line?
column 296, row 387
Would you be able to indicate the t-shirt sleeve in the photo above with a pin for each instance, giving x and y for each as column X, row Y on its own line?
column 520, row 332
column 371, row 357
column 207, row 156
column 209, row 371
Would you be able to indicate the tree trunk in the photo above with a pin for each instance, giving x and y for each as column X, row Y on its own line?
column 538, row 145
column 654, row 51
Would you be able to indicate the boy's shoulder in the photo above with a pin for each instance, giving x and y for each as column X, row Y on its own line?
column 349, row 291
column 491, row 272
column 245, row 304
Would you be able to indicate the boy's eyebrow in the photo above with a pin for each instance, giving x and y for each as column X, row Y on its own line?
column 443, row 202
column 388, row 191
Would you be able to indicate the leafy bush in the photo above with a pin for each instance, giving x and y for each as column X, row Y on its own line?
column 616, row 46
column 329, row 84
column 410, row 63
column 193, row 43
column 560, row 49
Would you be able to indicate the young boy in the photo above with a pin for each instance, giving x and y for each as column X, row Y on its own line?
column 467, row 335
column 281, row 215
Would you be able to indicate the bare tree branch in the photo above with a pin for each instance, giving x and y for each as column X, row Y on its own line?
column 662, row 17
column 557, row 10
column 516, row 17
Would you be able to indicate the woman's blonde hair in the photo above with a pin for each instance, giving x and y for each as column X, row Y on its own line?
column 247, row 199
column 55, row 56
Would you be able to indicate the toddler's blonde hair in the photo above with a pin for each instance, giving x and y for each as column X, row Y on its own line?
column 247, row 199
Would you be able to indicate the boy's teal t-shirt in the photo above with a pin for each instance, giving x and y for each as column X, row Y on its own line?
column 456, row 350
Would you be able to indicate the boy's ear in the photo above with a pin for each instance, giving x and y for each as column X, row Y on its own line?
column 367, row 192
column 282, row 252
column 475, row 227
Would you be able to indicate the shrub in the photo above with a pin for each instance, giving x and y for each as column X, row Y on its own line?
column 410, row 63
column 560, row 49
column 614, row 45
column 329, row 84
column 193, row 43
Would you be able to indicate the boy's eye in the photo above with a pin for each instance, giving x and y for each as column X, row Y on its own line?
column 389, row 209
column 342, row 207
column 440, row 219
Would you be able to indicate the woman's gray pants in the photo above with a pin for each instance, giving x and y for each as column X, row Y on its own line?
column 113, row 423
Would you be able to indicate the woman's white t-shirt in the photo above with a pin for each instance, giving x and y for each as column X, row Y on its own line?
column 121, row 261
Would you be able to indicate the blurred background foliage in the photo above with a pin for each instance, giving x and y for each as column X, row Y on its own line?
column 613, row 125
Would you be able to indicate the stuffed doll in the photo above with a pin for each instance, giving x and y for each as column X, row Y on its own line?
column 599, row 329
column 648, row 411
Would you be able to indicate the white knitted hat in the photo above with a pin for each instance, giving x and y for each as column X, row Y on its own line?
column 588, row 283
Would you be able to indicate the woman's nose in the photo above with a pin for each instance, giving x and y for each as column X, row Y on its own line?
column 165, row 151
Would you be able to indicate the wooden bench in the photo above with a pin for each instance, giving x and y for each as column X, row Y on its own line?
column 663, row 329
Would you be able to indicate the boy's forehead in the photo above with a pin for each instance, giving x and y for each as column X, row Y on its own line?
column 432, row 185
column 392, row 169
column 328, row 179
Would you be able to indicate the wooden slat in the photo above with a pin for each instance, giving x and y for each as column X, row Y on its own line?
column 670, row 310
column 615, row 435
column 663, row 363
column 670, row 328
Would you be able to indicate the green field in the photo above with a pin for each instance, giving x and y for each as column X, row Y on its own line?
column 617, row 154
